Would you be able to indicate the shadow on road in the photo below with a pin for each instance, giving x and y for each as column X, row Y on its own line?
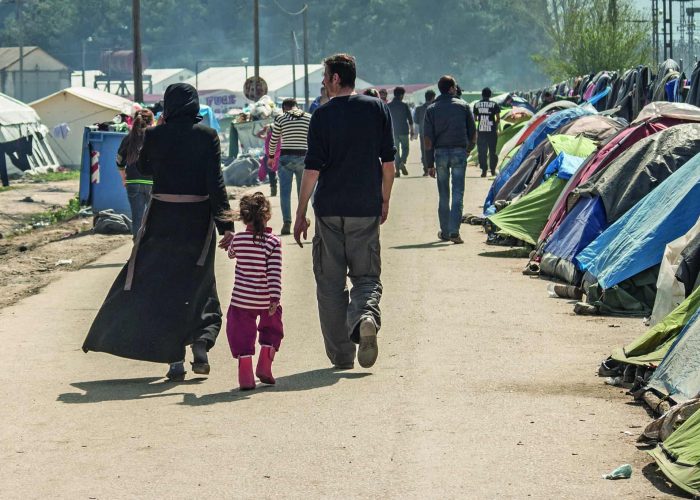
column 123, row 389
column 512, row 253
column 305, row 381
column 431, row 244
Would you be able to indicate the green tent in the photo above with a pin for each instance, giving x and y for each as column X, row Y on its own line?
column 651, row 347
column 525, row 219
column 578, row 145
column 679, row 456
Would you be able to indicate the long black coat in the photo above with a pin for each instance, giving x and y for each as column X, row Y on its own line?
column 172, row 301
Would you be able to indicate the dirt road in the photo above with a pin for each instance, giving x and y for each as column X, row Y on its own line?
column 484, row 388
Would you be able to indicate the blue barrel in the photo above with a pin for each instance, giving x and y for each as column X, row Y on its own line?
column 104, row 190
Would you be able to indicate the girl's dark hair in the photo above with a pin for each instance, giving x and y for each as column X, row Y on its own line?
column 372, row 93
column 142, row 120
column 255, row 211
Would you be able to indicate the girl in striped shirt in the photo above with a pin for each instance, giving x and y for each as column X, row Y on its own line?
column 255, row 301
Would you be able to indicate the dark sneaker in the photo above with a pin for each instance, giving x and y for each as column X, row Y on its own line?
column 404, row 171
column 483, row 173
column 493, row 172
column 441, row 237
column 286, row 228
column 368, row 350
column 456, row 239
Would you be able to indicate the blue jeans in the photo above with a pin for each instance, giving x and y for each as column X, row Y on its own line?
column 139, row 197
column 290, row 166
column 450, row 161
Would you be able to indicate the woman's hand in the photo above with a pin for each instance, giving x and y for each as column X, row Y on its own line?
column 225, row 241
column 273, row 308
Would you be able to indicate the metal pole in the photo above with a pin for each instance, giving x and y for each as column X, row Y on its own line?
column 83, row 77
column 138, row 69
column 306, row 59
column 294, row 67
column 256, row 38
column 20, row 42
column 196, row 76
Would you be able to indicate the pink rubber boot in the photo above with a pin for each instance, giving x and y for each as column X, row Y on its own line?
column 246, row 380
column 264, row 368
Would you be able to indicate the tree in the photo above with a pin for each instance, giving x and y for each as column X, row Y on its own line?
column 589, row 36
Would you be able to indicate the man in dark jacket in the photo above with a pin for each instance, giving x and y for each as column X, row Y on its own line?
column 450, row 135
column 420, row 115
column 403, row 128
column 488, row 115
column 350, row 162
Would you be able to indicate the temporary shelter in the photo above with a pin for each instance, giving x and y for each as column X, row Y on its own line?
column 73, row 109
column 547, row 126
column 529, row 174
column 525, row 217
column 609, row 193
column 636, row 241
column 678, row 273
column 678, row 376
column 678, row 456
column 650, row 348
column 23, row 140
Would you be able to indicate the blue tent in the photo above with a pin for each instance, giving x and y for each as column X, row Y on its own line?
column 582, row 225
column 678, row 375
column 636, row 241
column 548, row 126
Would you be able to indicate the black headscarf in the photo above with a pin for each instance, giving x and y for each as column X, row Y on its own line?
column 181, row 102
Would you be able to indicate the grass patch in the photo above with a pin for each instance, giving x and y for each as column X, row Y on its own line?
column 66, row 175
column 6, row 188
column 57, row 215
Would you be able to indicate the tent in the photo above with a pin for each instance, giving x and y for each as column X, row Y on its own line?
column 74, row 109
column 549, row 125
column 530, row 126
column 529, row 174
column 635, row 243
column 23, row 140
column 653, row 118
column 650, row 348
column 670, row 290
column 525, row 218
column 678, row 456
column 678, row 376
column 611, row 192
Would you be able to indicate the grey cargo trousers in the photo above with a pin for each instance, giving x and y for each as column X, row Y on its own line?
column 346, row 247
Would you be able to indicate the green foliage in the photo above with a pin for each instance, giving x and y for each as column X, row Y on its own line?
column 481, row 42
column 57, row 215
column 594, row 35
column 54, row 176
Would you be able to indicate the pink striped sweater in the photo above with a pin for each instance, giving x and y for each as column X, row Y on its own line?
column 258, row 269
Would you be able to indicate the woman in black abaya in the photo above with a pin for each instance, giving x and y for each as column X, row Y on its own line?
column 165, row 297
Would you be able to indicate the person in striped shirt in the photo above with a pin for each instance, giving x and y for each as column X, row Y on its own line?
column 255, row 301
column 291, row 127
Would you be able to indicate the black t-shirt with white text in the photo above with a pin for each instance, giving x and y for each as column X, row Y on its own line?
column 485, row 113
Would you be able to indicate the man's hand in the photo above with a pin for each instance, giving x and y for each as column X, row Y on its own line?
column 431, row 172
column 273, row 308
column 385, row 211
column 226, row 240
column 301, row 227
column 271, row 162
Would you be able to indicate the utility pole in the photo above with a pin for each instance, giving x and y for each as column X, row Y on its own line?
column 294, row 66
column 20, row 43
column 655, row 31
column 256, row 39
column 138, row 69
column 306, row 58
